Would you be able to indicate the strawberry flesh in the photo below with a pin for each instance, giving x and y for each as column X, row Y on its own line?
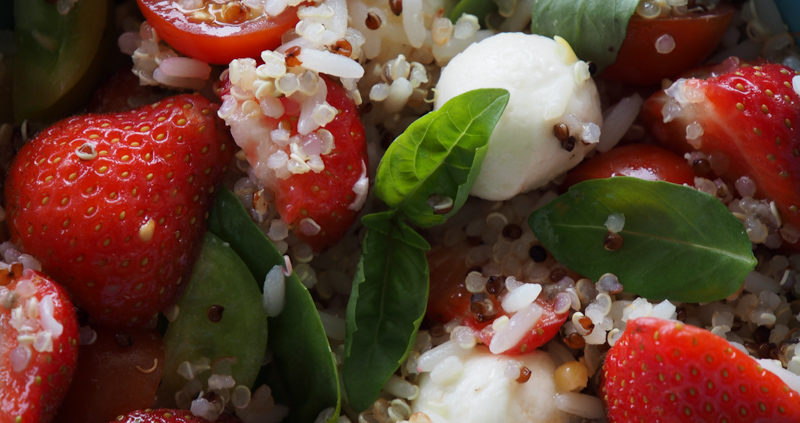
column 114, row 205
column 746, row 120
column 38, row 345
column 667, row 371
column 326, row 197
column 322, row 200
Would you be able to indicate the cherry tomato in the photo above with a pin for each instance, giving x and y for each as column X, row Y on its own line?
column 116, row 374
column 122, row 92
column 60, row 57
column 449, row 300
column 641, row 161
column 217, row 33
column 695, row 36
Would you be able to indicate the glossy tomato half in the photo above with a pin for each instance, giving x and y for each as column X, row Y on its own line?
column 694, row 36
column 214, row 35
column 641, row 161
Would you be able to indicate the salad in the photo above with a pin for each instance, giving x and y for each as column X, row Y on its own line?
column 405, row 211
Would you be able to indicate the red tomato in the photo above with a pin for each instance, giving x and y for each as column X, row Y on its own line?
column 449, row 300
column 695, row 36
column 641, row 161
column 116, row 374
column 229, row 32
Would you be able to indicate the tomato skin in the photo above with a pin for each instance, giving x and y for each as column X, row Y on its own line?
column 546, row 328
column 695, row 35
column 641, row 161
column 216, row 43
column 111, row 378
column 449, row 300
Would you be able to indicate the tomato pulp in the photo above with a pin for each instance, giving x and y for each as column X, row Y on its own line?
column 217, row 34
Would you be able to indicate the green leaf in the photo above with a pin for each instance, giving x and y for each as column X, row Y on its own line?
column 594, row 28
column 220, row 280
column 302, row 356
column 390, row 292
column 678, row 243
column 440, row 154
column 479, row 8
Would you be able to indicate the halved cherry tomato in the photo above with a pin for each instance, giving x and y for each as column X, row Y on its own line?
column 116, row 374
column 449, row 300
column 695, row 36
column 641, row 161
column 227, row 32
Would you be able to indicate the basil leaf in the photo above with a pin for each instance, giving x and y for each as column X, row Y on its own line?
column 678, row 243
column 479, row 8
column 386, row 306
column 440, row 155
column 302, row 356
column 594, row 28
column 238, row 328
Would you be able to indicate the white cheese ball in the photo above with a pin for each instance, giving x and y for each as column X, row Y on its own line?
column 476, row 388
column 548, row 86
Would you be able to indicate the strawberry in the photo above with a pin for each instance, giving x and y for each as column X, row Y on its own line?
column 161, row 415
column 38, row 345
column 114, row 205
column 667, row 371
column 745, row 120
column 318, row 203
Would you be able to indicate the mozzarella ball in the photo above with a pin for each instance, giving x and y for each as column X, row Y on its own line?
column 548, row 87
column 477, row 388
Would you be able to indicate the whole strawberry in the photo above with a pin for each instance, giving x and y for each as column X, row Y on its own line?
column 666, row 371
column 747, row 122
column 114, row 205
column 38, row 345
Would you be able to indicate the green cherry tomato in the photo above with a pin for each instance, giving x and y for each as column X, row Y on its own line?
column 59, row 57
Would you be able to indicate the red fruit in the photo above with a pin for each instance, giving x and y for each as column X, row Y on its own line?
column 114, row 205
column 96, row 394
column 749, row 118
column 327, row 197
column 638, row 160
column 161, row 415
column 667, row 371
column 695, row 36
column 122, row 92
column 450, row 300
column 319, row 205
column 233, row 31
column 38, row 345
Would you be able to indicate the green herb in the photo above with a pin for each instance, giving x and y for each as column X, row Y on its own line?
column 302, row 356
column 436, row 160
column 594, row 28
column 387, row 304
column 220, row 317
column 677, row 243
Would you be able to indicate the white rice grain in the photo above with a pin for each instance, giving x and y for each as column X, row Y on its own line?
column 274, row 291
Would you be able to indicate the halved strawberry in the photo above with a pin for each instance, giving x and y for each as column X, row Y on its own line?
column 38, row 345
column 114, row 205
column 746, row 121
column 318, row 178
column 667, row 371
